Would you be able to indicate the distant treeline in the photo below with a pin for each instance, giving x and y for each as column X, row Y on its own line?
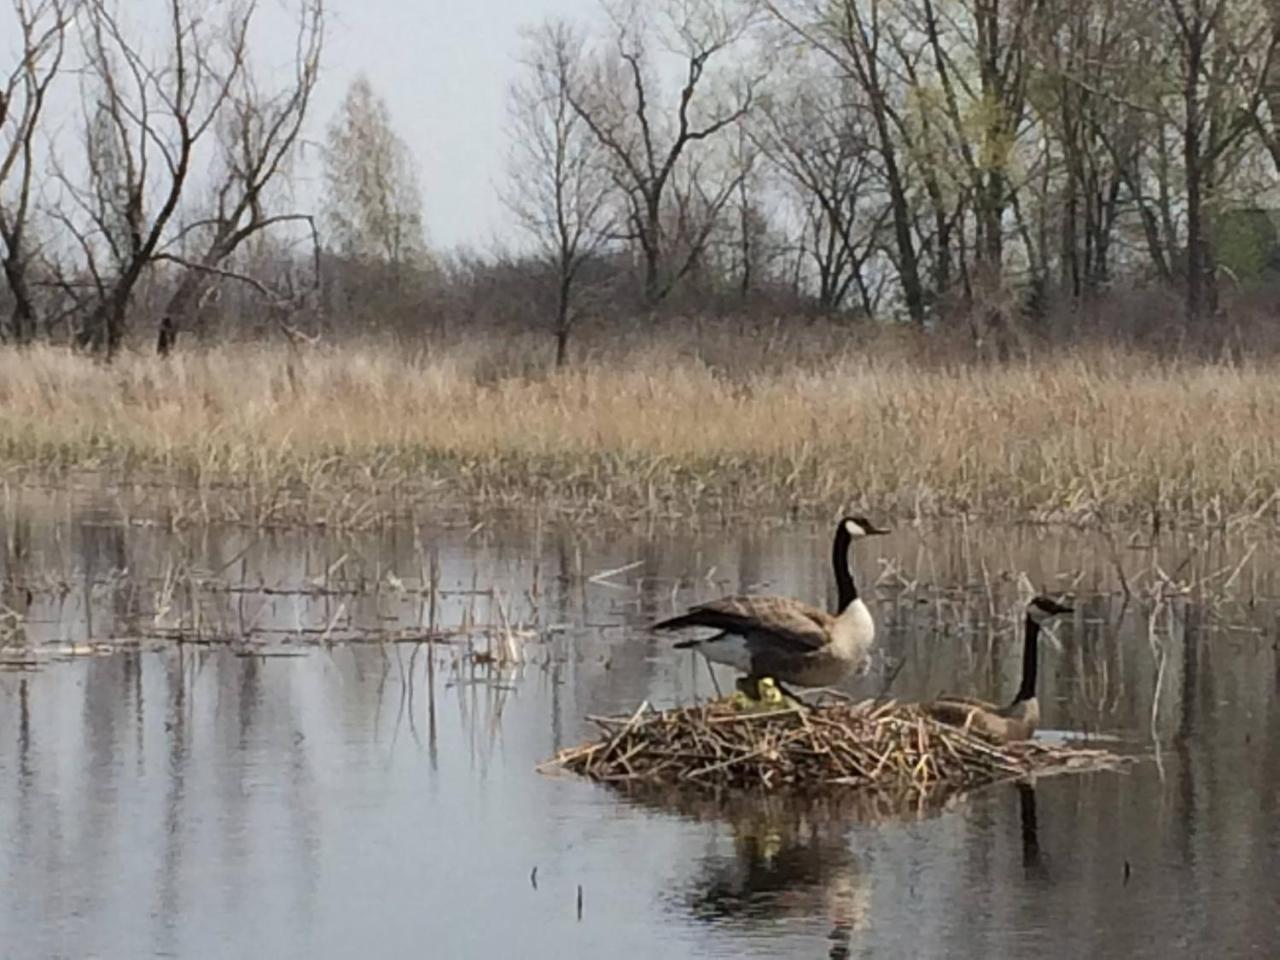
column 1001, row 169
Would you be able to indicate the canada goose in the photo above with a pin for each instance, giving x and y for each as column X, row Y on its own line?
column 785, row 639
column 1017, row 721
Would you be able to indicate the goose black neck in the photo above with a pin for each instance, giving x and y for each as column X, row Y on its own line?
column 845, row 590
column 1030, row 656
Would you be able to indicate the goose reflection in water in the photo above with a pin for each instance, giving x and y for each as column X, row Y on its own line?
column 781, row 867
column 791, row 861
column 1033, row 867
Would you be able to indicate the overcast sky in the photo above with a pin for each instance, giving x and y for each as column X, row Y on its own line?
column 443, row 67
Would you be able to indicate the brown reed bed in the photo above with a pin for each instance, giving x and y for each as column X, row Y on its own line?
column 351, row 434
column 888, row 746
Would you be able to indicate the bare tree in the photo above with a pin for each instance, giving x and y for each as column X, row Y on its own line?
column 856, row 37
column 1226, row 51
column 617, row 101
column 1099, row 76
column 23, row 95
column 751, row 242
column 373, row 208
column 982, row 119
column 1093, row 131
column 1268, row 122
column 164, row 118
column 560, row 189
column 257, row 136
column 813, row 131
column 145, row 121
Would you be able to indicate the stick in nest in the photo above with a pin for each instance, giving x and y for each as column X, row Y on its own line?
column 885, row 746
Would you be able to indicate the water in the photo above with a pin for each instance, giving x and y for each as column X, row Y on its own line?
column 283, row 785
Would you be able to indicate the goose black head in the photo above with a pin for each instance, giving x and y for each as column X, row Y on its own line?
column 857, row 527
column 1042, row 608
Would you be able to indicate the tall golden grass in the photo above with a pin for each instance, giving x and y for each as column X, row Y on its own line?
column 321, row 432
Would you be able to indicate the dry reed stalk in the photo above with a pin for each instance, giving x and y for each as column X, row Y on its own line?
column 269, row 436
column 882, row 746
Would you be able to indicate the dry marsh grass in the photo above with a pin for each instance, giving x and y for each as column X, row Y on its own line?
column 337, row 433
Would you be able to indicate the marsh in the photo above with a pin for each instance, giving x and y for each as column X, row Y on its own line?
column 232, row 742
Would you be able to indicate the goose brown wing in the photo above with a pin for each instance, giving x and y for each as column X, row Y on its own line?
column 969, row 702
column 782, row 619
column 962, row 711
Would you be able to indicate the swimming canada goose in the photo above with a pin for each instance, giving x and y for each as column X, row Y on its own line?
column 1017, row 721
column 785, row 639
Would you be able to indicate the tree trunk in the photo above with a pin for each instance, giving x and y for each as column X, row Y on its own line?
column 1098, row 270
column 1199, row 262
column 167, row 336
column 864, row 294
column 942, row 251
column 562, row 346
column 745, row 227
column 178, row 312
column 1072, row 149
column 563, row 319
column 991, row 225
column 651, row 246
column 826, row 289
column 104, row 330
column 908, row 260
column 23, row 316
column 115, row 318
column 998, row 131
column 825, row 254
column 1071, row 242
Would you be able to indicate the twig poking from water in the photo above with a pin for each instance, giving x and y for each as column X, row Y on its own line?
column 884, row 687
column 1157, row 651
column 711, row 672
column 1227, row 584
column 333, row 621
column 1115, row 562
column 604, row 576
column 510, row 651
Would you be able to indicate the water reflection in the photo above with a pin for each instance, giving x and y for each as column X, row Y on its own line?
column 215, row 797
column 1029, row 828
column 788, row 861
column 788, row 866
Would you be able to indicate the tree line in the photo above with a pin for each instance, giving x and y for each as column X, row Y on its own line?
column 934, row 162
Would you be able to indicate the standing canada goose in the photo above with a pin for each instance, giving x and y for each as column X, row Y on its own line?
column 1017, row 721
column 785, row 639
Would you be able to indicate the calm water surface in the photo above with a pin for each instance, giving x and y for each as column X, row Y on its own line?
column 306, row 778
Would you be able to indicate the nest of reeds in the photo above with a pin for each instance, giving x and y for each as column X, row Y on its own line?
column 888, row 746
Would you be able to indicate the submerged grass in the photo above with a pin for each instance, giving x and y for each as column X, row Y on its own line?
column 337, row 433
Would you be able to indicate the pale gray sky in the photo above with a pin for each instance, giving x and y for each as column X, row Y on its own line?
column 443, row 67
